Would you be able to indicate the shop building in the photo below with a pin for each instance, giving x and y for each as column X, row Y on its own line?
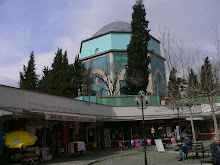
column 60, row 122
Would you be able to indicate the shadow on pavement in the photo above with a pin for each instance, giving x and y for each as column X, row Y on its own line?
column 86, row 156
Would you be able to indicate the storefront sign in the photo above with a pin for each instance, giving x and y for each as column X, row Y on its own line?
column 61, row 117
column 68, row 118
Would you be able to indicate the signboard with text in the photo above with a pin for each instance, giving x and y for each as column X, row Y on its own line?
column 68, row 118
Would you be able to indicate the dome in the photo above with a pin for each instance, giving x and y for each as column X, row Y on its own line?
column 118, row 26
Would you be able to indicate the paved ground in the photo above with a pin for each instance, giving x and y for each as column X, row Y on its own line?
column 126, row 157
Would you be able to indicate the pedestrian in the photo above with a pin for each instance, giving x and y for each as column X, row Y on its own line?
column 215, row 151
column 185, row 145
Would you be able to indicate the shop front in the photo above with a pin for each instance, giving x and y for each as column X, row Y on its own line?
column 58, row 133
column 154, row 128
column 69, row 132
column 94, row 135
column 117, row 131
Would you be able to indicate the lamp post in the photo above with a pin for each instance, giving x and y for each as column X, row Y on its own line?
column 140, row 101
column 178, row 129
column 78, row 90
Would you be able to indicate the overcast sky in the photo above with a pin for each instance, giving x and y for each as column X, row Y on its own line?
column 44, row 25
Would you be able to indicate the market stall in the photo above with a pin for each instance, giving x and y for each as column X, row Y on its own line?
column 19, row 150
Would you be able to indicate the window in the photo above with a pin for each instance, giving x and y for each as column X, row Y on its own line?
column 159, row 85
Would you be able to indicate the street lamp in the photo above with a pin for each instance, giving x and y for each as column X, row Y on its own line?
column 140, row 101
column 178, row 129
column 78, row 90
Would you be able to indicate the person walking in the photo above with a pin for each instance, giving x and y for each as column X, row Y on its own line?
column 215, row 151
column 185, row 145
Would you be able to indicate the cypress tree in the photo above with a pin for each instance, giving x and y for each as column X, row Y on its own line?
column 79, row 69
column 173, row 85
column 61, row 75
column 56, row 73
column 207, row 81
column 57, row 80
column 193, row 84
column 138, row 61
column 209, row 89
column 63, row 79
column 192, row 79
column 45, row 81
column 29, row 78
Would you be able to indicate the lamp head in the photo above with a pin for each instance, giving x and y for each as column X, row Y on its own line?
column 147, row 99
column 137, row 100
column 141, row 93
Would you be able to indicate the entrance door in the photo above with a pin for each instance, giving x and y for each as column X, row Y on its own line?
column 127, row 133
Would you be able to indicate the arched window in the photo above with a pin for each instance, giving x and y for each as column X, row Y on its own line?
column 97, row 51
column 159, row 85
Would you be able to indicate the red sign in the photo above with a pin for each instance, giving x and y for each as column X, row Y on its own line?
column 68, row 118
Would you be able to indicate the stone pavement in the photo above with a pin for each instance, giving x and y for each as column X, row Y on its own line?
column 126, row 157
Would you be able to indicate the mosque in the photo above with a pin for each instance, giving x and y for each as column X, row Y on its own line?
column 100, row 122
column 105, row 52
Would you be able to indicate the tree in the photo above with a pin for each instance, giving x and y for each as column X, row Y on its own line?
column 57, row 80
column 173, row 85
column 207, row 81
column 191, row 95
column 216, row 57
column 206, row 89
column 137, row 50
column 209, row 88
column 45, row 81
column 79, row 70
column 192, row 83
column 29, row 78
column 180, row 90
column 175, row 53
column 195, row 93
column 192, row 79
column 56, row 74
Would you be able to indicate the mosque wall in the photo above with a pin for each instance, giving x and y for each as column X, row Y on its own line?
column 113, row 41
column 113, row 67
column 154, row 46
column 120, row 40
column 120, row 62
column 159, row 76
column 102, row 43
column 102, row 63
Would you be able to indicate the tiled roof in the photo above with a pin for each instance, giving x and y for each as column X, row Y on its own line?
column 118, row 26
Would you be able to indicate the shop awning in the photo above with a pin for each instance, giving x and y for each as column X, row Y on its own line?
column 195, row 118
column 5, row 116
column 60, row 116
column 5, row 112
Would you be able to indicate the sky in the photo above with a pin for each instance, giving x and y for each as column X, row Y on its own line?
column 44, row 25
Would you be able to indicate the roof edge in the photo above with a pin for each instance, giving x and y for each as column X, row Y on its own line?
column 109, row 33
column 119, row 51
